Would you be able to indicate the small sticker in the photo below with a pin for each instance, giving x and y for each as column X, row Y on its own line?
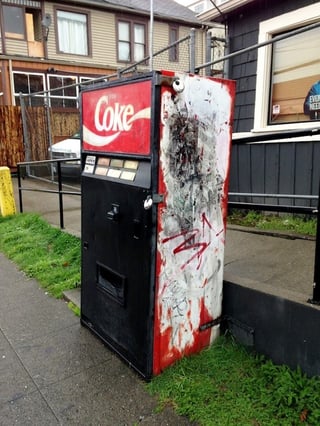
column 115, row 162
column 102, row 161
column 102, row 171
column 114, row 173
column 88, row 168
column 127, row 175
column 91, row 159
column 276, row 109
column 130, row 164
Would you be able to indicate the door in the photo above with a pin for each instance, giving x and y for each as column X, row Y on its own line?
column 118, row 239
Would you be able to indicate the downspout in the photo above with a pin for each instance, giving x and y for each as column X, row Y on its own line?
column 13, row 100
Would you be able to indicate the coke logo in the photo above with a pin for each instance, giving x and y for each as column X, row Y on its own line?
column 116, row 118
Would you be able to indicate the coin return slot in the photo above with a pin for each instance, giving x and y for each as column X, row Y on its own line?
column 111, row 283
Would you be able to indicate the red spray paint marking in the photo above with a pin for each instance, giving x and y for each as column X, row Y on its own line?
column 187, row 243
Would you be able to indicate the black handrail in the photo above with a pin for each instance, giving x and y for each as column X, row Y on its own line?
column 60, row 190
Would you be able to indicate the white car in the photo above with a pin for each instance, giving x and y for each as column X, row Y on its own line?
column 66, row 149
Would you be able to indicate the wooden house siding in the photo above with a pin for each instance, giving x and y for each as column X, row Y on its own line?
column 14, row 47
column 104, row 42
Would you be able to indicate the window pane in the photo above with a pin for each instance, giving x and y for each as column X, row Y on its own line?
column 138, row 52
column 72, row 32
column 70, row 88
column 55, row 83
column 124, row 51
column 139, row 42
column 124, row 31
column 36, row 83
column 173, row 52
column 294, row 94
column 139, row 33
column 21, row 84
column 13, row 22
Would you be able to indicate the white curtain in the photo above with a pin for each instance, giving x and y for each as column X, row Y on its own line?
column 72, row 33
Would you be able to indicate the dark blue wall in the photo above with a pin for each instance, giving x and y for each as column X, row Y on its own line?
column 291, row 168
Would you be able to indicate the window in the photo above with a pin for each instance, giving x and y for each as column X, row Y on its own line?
column 174, row 51
column 14, row 24
column 28, row 83
column 131, row 41
column 72, row 33
column 63, row 91
column 286, row 71
column 60, row 90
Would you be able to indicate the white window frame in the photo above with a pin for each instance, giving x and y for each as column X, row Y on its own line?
column 267, row 30
column 17, row 94
column 52, row 91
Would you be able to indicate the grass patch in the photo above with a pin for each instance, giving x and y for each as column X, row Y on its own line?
column 303, row 225
column 47, row 254
column 226, row 385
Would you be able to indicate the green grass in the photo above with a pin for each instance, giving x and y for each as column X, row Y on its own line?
column 227, row 385
column 47, row 254
column 303, row 225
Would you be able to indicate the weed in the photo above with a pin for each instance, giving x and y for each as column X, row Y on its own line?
column 298, row 224
column 74, row 308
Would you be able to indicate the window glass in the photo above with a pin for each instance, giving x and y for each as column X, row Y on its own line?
column 173, row 36
column 139, row 43
column 286, row 70
column 124, row 41
column 295, row 86
column 13, row 18
column 72, row 32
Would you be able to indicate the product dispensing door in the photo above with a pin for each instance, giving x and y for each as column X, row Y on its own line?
column 155, row 159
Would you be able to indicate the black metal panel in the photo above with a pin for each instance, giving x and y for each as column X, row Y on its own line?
column 289, row 168
column 116, row 269
column 286, row 171
column 303, row 171
column 245, row 177
column 257, row 171
column 282, row 330
column 271, row 171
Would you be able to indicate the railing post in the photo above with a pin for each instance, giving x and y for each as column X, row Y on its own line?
column 192, row 50
column 60, row 195
column 208, row 52
column 19, row 188
column 316, row 277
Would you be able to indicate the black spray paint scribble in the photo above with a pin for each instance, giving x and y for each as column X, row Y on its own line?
column 195, row 182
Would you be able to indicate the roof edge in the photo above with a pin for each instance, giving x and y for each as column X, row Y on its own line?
column 228, row 6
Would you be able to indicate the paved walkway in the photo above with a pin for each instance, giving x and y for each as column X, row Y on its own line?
column 55, row 372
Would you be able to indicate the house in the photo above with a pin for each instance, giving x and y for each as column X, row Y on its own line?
column 273, row 55
column 46, row 45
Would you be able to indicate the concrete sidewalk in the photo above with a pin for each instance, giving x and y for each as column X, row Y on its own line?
column 55, row 372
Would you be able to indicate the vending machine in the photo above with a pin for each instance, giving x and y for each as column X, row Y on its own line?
column 155, row 162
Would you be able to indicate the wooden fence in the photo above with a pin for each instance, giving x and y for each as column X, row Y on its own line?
column 31, row 142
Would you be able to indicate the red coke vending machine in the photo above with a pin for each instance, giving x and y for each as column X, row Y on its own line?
column 155, row 161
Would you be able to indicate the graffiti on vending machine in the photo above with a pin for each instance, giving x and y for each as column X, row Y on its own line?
column 193, row 167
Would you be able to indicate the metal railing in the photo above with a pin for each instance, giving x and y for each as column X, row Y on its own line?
column 60, row 191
